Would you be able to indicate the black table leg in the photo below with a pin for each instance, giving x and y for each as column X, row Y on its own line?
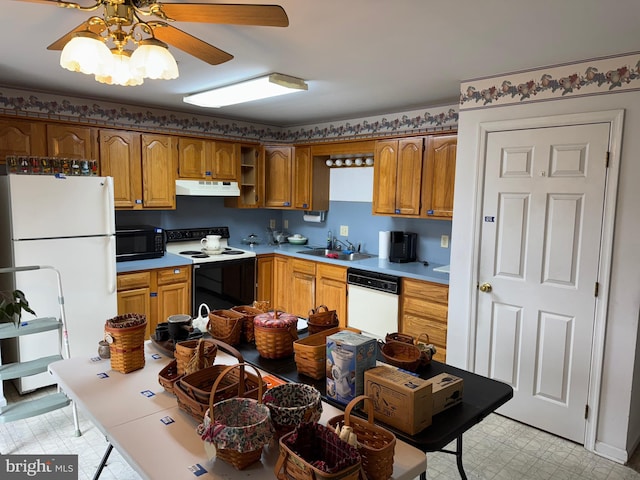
column 103, row 462
column 458, row 454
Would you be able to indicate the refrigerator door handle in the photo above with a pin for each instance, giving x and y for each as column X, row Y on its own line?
column 111, row 267
column 111, row 207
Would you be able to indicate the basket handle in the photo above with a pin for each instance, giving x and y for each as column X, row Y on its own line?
column 368, row 405
column 418, row 340
column 326, row 309
column 278, row 469
column 240, row 384
column 228, row 348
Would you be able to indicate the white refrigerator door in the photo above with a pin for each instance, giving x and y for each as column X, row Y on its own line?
column 44, row 206
column 88, row 272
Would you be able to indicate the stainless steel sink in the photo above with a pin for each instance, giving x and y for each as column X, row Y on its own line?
column 325, row 252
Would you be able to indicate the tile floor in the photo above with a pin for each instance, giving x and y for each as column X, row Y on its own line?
column 497, row 448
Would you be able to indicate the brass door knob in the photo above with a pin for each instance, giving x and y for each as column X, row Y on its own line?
column 485, row 287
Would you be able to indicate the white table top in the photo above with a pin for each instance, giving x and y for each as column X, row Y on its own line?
column 158, row 439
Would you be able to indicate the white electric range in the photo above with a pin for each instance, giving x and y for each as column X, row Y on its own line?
column 219, row 280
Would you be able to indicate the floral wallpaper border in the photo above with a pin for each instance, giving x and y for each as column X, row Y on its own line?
column 597, row 76
column 28, row 104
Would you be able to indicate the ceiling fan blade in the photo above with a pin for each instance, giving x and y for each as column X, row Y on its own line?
column 234, row 14
column 62, row 41
column 190, row 44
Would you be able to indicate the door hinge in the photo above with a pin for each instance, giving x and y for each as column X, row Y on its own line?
column 586, row 412
column 606, row 161
column 595, row 292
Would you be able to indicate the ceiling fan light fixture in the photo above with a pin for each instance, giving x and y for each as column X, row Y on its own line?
column 87, row 53
column 268, row 86
column 120, row 72
column 152, row 59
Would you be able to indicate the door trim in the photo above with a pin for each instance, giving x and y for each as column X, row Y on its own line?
column 615, row 119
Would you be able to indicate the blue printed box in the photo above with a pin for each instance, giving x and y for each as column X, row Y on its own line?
column 349, row 354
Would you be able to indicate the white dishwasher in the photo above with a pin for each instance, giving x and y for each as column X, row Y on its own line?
column 372, row 304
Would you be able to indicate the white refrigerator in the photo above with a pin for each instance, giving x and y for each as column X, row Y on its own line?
column 67, row 223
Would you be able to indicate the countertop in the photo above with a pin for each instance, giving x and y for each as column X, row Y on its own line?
column 414, row 270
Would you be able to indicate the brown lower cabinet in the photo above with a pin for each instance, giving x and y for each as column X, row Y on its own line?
column 424, row 309
column 156, row 293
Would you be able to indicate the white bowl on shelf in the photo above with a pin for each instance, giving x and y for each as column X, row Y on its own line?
column 297, row 240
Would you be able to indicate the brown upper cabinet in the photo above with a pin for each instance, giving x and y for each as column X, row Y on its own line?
column 208, row 159
column 20, row 137
column 439, row 177
column 143, row 167
column 397, row 176
column 251, row 181
column 70, row 141
column 415, row 176
column 294, row 179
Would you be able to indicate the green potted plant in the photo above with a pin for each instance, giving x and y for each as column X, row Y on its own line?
column 12, row 305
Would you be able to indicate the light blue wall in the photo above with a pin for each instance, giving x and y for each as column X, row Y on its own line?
column 194, row 212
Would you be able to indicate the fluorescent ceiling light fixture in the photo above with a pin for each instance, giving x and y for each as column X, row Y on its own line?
column 268, row 86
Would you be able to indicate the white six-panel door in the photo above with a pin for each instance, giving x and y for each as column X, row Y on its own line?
column 540, row 240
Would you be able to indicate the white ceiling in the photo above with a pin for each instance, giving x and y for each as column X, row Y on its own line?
column 359, row 57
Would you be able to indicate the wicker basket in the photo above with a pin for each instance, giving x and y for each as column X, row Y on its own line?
column 168, row 376
column 238, row 427
column 275, row 333
column 399, row 337
column 321, row 318
column 226, row 325
column 403, row 355
column 376, row 445
column 192, row 355
column 249, row 314
column 311, row 353
column 312, row 445
column 125, row 335
column 291, row 404
column 427, row 349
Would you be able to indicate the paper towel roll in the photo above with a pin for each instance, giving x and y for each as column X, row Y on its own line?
column 384, row 239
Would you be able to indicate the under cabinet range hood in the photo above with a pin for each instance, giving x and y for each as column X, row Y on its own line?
column 207, row 188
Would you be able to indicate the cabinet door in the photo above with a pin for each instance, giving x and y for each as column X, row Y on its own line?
column 193, row 154
column 134, row 295
column 331, row 289
column 174, row 293
column 226, row 160
column 409, row 176
column 303, row 287
column 277, row 177
column 67, row 141
column 281, row 283
column 19, row 137
column 384, row 177
column 264, row 278
column 302, row 178
column 439, row 181
column 159, row 167
column 120, row 159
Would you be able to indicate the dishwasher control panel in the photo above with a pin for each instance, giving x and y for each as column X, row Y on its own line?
column 374, row 280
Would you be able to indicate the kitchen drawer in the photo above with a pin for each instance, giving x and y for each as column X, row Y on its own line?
column 425, row 308
column 436, row 330
column 303, row 266
column 432, row 291
column 333, row 272
column 174, row 275
column 127, row 281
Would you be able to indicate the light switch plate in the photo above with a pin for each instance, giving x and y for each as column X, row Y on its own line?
column 272, row 223
column 285, row 224
column 444, row 241
column 344, row 230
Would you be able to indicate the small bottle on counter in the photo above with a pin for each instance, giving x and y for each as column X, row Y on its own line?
column 329, row 240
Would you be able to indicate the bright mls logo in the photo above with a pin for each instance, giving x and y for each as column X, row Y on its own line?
column 50, row 467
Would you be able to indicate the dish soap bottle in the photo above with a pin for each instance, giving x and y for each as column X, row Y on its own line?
column 329, row 240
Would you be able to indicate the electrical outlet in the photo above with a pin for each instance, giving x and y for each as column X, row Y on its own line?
column 285, row 224
column 444, row 241
column 344, row 230
column 272, row 223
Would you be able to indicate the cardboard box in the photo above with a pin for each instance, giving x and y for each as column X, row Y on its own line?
column 446, row 391
column 400, row 399
column 349, row 354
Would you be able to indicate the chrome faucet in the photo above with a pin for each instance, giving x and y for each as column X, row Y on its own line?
column 347, row 246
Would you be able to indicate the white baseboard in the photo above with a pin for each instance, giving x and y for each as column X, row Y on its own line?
column 612, row 453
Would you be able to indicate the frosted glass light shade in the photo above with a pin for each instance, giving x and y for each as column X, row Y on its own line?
column 120, row 72
column 271, row 85
column 152, row 59
column 86, row 53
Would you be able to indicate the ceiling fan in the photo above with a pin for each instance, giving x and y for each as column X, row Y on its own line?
column 158, row 16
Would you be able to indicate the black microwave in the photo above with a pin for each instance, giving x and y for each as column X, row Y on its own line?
column 139, row 242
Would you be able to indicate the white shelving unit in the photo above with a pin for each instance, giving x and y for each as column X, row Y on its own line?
column 30, row 408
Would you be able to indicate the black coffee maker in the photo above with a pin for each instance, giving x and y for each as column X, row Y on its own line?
column 402, row 247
